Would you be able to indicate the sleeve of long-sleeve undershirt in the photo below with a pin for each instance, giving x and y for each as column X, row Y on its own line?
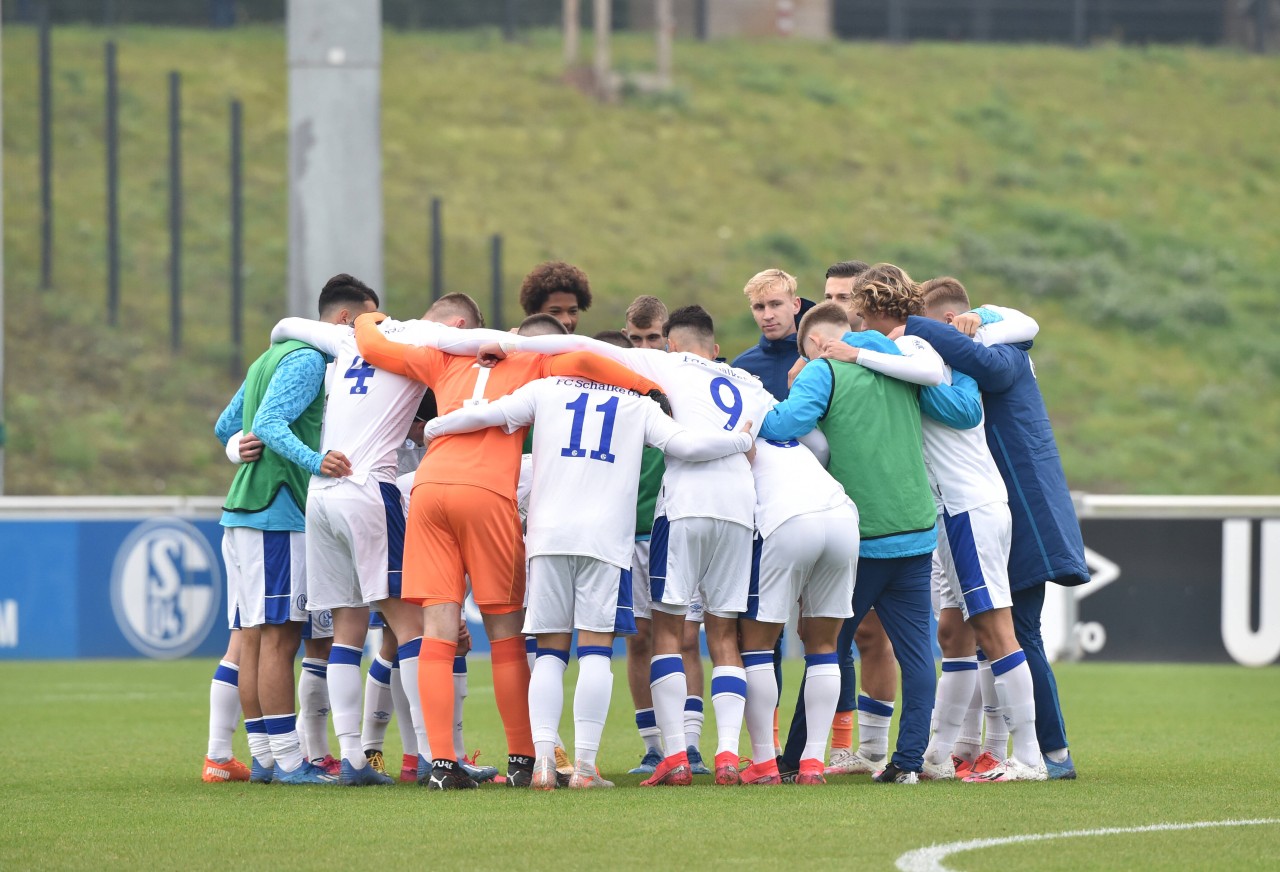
column 585, row 364
column 804, row 406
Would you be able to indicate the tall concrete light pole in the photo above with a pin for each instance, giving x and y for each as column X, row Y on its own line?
column 335, row 146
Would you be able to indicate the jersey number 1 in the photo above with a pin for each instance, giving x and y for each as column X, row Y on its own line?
column 579, row 408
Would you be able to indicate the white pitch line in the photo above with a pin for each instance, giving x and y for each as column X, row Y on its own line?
column 930, row 859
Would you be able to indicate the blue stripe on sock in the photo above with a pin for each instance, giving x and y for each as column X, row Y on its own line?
column 227, row 675
column 693, row 703
column 646, row 719
column 981, row 656
column 530, row 645
column 460, row 665
column 1007, row 662
column 344, row 655
column 594, row 651
column 380, row 671
column 661, row 667
column 409, row 650
column 757, row 658
column 819, row 659
column 562, row 656
column 726, row 684
column 318, row 668
column 255, row 725
column 959, row 665
column 874, row 706
column 278, row 725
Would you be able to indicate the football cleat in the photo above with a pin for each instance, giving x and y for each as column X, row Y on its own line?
column 963, row 767
column 762, row 773
column 696, row 766
column 563, row 764
column 411, row 768
column 1009, row 770
column 376, row 760
column 648, row 763
column 893, row 774
column 328, row 764
column 672, row 771
column 726, row 769
column 1064, row 771
column 811, row 772
column 350, row 776
column 231, row 770
column 306, row 773
column 846, row 762
column 447, row 775
column 259, row 774
column 519, row 771
column 480, row 774
column 986, row 761
column 938, row 771
column 587, row 777
column 545, row 774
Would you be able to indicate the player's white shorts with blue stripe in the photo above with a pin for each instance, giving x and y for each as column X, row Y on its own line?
column 710, row 556
column 811, row 558
column 569, row 591
column 266, row 576
column 971, row 562
column 355, row 544
column 640, row 579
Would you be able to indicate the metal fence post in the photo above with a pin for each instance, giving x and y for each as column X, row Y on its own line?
column 46, row 151
column 1080, row 23
column 701, row 20
column 495, row 266
column 437, row 251
column 237, row 243
column 509, row 20
column 898, row 20
column 175, row 209
column 113, row 189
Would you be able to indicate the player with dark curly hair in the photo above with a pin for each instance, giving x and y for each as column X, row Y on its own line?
column 558, row 289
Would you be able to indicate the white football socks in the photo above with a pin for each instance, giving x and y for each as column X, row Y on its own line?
column 546, row 699
column 995, row 740
column 821, row 694
column 459, row 694
column 404, row 714
column 344, row 699
column 729, row 700
column 313, row 709
column 591, row 703
column 762, row 699
column 874, row 717
column 377, row 705
column 669, row 688
column 955, row 691
column 224, row 710
column 1012, row 679
column 969, row 742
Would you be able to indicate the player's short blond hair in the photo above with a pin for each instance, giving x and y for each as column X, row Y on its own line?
column 888, row 298
column 824, row 313
column 945, row 291
column 770, row 280
column 645, row 311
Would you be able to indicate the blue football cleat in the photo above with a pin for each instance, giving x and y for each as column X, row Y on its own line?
column 1064, row 771
column 479, row 774
column 259, row 774
column 424, row 768
column 350, row 776
column 307, row 773
column 649, row 763
column 696, row 766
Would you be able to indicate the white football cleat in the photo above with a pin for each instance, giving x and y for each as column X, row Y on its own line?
column 1010, row 770
column 945, row 771
column 846, row 762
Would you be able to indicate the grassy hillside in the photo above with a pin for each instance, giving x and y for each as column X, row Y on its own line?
column 1126, row 197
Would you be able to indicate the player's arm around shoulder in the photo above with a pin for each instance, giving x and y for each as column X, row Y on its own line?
column 381, row 347
column 807, row 403
column 676, row 440
column 511, row 412
column 321, row 335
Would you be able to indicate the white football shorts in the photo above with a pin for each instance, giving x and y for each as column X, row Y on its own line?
column 355, row 544
column 812, row 558
column 971, row 562
column 707, row 555
column 266, row 576
column 568, row 592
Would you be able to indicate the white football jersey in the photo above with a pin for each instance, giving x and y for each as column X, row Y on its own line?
column 961, row 470
column 368, row 411
column 706, row 396
column 790, row 482
column 587, row 445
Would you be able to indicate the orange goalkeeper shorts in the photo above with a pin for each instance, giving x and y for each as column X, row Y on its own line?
column 457, row 531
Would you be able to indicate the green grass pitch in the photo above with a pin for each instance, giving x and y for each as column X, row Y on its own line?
column 102, row 762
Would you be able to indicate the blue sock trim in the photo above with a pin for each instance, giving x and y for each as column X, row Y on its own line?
column 255, row 725
column 757, row 658
column 594, row 651
column 316, row 666
column 1007, row 662
column 344, row 655
column 874, row 706
column 646, row 719
column 278, row 725
column 959, row 665
column 409, row 650
column 562, row 656
column 380, row 670
column 727, row 684
column 661, row 667
column 693, row 703
column 460, row 665
column 227, row 674
column 819, row 659
column 981, row 656
column 530, row 644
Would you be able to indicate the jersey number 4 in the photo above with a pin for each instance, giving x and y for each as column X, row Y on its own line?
column 359, row 371
column 579, row 408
